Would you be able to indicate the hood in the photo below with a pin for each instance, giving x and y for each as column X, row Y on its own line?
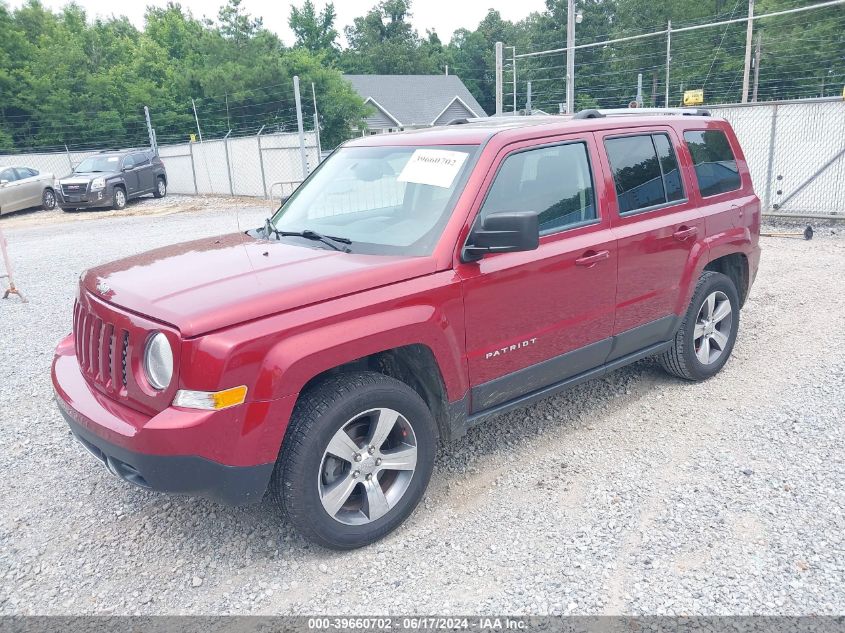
column 215, row 282
column 86, row 176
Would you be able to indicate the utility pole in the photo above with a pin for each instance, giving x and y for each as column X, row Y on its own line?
column 639, row 90
column 749, row 32
column 299, row 126
column 447, row 70
column 197, row 119
column 570, row 56
column 499, row 77
column 668, row 59
column 228, row 123
column 513, row 61
column 756, row 67
column 528, row 99
column 150, row 130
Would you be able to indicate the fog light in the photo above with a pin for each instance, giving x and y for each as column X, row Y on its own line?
column 210, row 400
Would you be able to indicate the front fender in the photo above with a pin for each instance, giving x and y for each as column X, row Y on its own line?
column 295, row 360
column 277, row 355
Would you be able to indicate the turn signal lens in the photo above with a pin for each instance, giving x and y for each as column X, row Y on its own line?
column 210, row 400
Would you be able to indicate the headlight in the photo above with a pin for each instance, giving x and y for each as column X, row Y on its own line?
column 98, row 183
column 158, row 361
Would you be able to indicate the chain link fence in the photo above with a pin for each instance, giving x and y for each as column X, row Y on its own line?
column 267, row 165
column 796, row 153
column 795, row 150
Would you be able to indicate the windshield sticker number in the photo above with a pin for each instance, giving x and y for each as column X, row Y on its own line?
column 436, row 167
column 112, row 159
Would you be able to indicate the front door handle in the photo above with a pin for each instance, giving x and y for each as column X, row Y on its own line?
column 591, row 258
column 685, row 232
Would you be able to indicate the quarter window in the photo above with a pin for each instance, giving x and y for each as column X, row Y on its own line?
column 645, row 171
column 715, row 164
column 554, row 182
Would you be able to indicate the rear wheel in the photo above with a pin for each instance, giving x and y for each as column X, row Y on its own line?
column 119, row 198
column 48, row 199
column 356, row 460
column 161, row 188
column 707, row 334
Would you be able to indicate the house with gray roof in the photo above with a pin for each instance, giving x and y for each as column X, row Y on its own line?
column 404, row 102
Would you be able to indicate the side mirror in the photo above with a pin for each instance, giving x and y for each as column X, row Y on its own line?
column 505, row 232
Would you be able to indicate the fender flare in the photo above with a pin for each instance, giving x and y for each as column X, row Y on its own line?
column 298, row 358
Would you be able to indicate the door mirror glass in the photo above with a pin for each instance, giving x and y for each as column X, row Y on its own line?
column 505, row 232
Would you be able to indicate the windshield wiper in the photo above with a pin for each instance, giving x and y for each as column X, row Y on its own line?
column 307, row 234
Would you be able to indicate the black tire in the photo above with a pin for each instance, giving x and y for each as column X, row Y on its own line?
column 682, row 359
column 48, row 199
column 161, row 188
column 118, row 198
column 321, row 412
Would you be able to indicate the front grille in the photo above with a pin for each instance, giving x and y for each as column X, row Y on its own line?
column 74, row 190
column 100, row 346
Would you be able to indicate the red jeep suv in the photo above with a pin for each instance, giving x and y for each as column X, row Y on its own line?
column 413, row 285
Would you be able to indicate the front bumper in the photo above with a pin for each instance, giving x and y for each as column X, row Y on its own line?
column 226, row 456
column 84, row 200
column 179, row 474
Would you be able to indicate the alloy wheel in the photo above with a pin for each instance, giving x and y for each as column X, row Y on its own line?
column 712, row 327
column 367, row 466
column 49, row 199
column 162, row 188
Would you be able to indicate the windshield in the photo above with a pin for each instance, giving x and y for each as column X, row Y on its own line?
column 385, row 200
column 98, row 163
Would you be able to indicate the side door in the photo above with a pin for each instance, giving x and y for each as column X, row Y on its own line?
column 659, row 230
column 30, row 187
column 145, row 172
column 11, row 197
column 130, row 176
column 539, row 317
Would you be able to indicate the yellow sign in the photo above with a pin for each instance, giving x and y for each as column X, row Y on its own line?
column 193, row 138
column 693, row 97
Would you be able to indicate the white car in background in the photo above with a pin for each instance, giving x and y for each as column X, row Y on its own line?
column 24, row 187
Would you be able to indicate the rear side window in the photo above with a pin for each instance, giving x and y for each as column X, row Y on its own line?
column 26, row 172
column 645, row 171
column 715, row 165
column 554, row 182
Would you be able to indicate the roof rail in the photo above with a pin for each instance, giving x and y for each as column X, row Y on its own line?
column 596, row 114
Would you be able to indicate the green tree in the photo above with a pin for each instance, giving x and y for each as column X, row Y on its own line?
column 315, row 31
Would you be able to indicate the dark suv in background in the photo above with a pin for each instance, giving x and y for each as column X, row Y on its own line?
column 111, row 178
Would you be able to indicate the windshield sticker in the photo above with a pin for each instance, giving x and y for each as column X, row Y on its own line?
column 112, row 159
column 436, row 167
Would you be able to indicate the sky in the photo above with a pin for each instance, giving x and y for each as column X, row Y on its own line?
column 439, row 15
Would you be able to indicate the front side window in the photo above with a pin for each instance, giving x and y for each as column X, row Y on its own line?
column 554, row 181
column 645, row 171
column 8, row 175
column 386, row 200
column 715, row 164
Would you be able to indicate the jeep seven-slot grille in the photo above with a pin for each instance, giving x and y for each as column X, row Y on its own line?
column 101, row 349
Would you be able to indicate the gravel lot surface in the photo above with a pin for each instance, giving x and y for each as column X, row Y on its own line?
column 633, row 494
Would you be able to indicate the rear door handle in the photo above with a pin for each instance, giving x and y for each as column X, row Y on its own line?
column 591, row 258
column 685, row 232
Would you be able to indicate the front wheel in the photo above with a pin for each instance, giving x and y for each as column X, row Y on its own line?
column 356, row 460
column 119, row 199
column 707, row 334
column 48, row 199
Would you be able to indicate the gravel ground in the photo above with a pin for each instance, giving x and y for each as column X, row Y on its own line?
column 635, row 494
